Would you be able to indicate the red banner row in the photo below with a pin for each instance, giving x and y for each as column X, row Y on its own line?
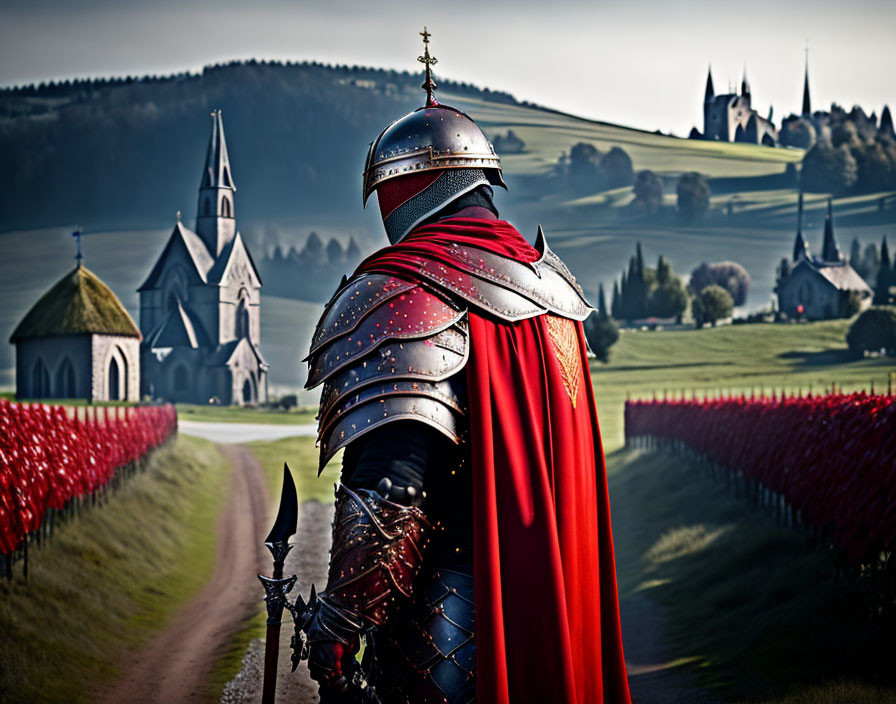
column 833, row 458
column 49, row 456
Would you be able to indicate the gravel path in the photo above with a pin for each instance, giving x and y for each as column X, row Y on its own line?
column 308, row 559
column 176, row 665
column 235, row 433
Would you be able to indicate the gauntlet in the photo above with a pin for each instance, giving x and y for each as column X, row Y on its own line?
column 378, row 546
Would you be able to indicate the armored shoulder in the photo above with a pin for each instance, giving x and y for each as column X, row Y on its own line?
column 506, row 288
column 387, row 349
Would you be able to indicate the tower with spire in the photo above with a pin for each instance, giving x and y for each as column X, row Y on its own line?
column 200, row 304
column 215, row 218
column 820, row 287
column 807, row 102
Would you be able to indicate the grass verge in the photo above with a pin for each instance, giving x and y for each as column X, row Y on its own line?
column 112, row 577
column 242, row 414
column 751, row 609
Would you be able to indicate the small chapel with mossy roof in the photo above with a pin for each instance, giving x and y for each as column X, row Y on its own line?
column 200, row 304
column 78, row 341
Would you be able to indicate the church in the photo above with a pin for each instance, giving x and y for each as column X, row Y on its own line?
column 817, row 288
column 730, row 117
column 77, row 341
column 200, row 304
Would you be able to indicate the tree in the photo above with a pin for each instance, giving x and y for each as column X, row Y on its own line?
column 693, row 196
column 872, row 331
column 885, row 276
column 668, row 299
column 798, row 132
column 509, row 143
column 617, row 302
column 827, row 169
column 602, row 302
column 648, row 191
column 617, row 168
column 712, row 304
column 334, row 251
column 731, row 276
column 602, row 334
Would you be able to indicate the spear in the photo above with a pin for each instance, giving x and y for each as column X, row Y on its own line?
column 276, row 587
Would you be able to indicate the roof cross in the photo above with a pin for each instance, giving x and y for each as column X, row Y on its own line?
column 77, row 235
column 428, row 61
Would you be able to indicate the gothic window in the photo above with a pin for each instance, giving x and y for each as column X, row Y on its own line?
column 225, row 207
column 65, row 379
column 248, row 395
column 117, row 378
column 114, row 379
column 175, row 287
column 242, row 317
column 40, row 380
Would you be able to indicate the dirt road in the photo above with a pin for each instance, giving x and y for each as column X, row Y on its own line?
column 175, row 667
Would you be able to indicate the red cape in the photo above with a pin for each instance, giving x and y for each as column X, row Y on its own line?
column 547, row 611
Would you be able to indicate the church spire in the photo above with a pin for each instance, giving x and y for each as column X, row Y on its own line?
column 215, row 211
column 807, row 103
column 745, row 84
column 800, row 248
column 831, row 250
column 710, row 90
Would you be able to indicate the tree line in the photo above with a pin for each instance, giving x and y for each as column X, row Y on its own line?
column 309, row 273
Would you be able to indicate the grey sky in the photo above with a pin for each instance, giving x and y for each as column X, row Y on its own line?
column 640, row 63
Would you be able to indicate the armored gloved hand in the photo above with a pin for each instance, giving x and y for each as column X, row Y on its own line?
column 377, row 550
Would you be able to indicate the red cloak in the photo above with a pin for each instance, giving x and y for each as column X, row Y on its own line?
column 547, row 611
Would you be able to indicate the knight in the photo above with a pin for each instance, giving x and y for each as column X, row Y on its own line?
column 472, row 548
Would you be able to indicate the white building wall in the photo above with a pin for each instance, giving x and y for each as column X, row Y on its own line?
column 104, row 347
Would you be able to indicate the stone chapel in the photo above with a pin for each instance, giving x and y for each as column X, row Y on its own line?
column 200, row 304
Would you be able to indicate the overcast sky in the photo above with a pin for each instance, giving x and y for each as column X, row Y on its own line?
column 638, row 62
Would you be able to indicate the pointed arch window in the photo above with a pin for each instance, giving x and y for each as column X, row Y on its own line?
column 40, row 380
column 225, row 207
column 65, row 380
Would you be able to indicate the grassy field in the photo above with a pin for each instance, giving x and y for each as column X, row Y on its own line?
column 111, row 578
column 751, row 609
column 736, row 358
column 548, row 133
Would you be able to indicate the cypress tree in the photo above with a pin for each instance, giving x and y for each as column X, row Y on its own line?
column 884, row 276
column 602, row 311
column 614, row 306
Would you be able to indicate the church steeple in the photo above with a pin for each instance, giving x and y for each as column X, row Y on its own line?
column 215, row 221
column 831, row 250
column 745, row 84
column 710, row 90
column 800, row 248
column 807, row 103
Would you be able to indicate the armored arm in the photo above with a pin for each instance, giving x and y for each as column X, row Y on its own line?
column 388, row 354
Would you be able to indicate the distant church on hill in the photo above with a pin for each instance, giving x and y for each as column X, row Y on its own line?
column 200, row 304
column 817, row 287
column 78, row 341
column 730, row 117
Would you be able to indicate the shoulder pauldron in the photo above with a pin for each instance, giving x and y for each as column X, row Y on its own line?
column 506, row 288
column 386, row 350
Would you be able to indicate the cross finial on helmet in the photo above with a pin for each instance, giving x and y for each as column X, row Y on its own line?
column 428, row 61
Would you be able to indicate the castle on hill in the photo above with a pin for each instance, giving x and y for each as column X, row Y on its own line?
column 730, row 117
column 200, row 305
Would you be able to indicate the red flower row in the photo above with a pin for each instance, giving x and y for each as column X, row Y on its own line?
column 832, row 457
column 48, row 458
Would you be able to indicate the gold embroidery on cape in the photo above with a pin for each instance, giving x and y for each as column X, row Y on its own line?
column 565, row 342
